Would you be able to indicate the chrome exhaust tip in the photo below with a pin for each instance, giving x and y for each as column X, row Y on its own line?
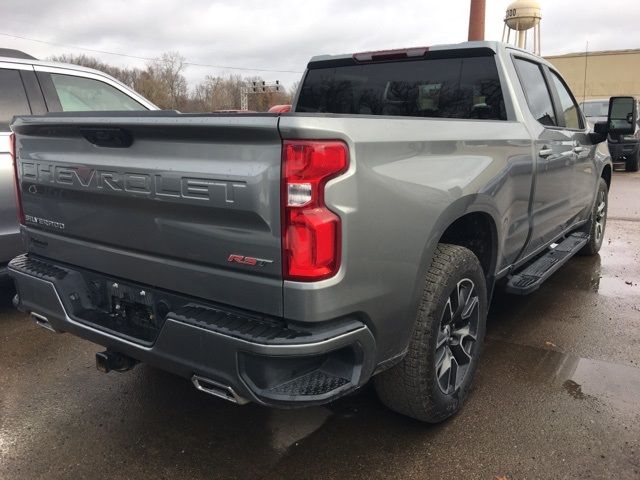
column 42, row 321
column 216, row 389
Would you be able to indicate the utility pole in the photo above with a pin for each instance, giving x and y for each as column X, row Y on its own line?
column 586, row 60
column 257, row 87
column 476, row 20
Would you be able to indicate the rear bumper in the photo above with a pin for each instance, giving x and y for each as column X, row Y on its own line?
column 251, row 357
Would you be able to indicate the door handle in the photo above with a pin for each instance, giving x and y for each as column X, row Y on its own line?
column 545, row 152
column 578, row 149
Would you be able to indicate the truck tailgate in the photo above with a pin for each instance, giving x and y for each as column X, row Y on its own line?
column 189, row 203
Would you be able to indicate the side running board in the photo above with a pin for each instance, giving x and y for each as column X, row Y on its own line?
column 531, row 277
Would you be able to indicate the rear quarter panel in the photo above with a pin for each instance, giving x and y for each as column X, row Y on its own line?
column 408, row 180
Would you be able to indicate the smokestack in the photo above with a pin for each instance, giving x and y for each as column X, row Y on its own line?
column 476, row 20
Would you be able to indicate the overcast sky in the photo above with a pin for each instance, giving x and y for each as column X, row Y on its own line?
column 283, row 35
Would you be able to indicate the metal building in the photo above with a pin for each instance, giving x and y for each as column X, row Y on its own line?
column 600, row 74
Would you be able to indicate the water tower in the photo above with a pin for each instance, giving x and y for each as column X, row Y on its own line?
column 521, row 16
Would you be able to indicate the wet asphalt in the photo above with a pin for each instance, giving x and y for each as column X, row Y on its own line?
column 557, row 395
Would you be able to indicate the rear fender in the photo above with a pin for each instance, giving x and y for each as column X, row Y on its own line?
column 462, row 206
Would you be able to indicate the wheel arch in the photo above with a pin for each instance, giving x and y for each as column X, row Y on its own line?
column 450, row 227
column 450, row 219
column 476, row 231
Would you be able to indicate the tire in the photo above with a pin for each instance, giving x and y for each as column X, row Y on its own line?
column 597, row 221
column 633, row 164
column 413, row 386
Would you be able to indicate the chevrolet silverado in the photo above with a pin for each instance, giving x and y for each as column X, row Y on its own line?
column 287, row 259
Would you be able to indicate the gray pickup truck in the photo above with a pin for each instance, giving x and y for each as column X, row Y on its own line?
column 288, row 259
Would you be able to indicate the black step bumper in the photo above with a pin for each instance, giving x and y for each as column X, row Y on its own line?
column 233, row 354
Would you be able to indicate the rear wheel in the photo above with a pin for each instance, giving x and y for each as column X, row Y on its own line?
column 432, row 381
column 598, row 220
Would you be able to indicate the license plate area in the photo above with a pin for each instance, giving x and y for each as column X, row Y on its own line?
column 124, row 309
column 131, row 309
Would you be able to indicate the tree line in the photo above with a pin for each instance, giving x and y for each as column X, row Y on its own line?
column 162, row 81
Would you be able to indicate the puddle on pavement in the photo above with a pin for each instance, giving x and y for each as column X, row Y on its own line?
column 612, row 286
column 605, row 277
column 613, row 384
column 617, row 385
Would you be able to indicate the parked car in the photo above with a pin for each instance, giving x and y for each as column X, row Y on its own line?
column 287, row 259
column 623, row 148
column 31, row 86
column 626, row 148
column 595, row 110
column 280, row 109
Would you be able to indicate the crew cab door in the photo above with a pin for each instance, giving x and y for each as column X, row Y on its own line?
column 585, row 174
column 554, row 156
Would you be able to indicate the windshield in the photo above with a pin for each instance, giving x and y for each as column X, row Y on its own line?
column 596, row 109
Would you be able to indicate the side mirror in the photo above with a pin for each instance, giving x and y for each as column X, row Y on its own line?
column 622, row 116
column 600, row 132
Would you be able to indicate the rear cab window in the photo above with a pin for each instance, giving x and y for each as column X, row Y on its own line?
column 463, row 88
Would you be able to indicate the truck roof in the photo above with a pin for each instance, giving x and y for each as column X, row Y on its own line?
column 492, row 45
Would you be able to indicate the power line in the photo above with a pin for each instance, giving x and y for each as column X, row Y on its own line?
column 192, row 64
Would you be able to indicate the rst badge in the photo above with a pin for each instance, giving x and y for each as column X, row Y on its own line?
column 251, row 261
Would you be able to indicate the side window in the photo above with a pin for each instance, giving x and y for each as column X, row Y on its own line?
column 536, row 91
column 13, row 99
column 79, row 94
column 572, row 117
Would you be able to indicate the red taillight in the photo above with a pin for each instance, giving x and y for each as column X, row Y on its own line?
column 311, row 233
column 14, row 161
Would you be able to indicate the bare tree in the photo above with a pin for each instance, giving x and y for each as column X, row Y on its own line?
column 162, row 81
column 127, row 76
column 164, row 84
column 294, row 89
